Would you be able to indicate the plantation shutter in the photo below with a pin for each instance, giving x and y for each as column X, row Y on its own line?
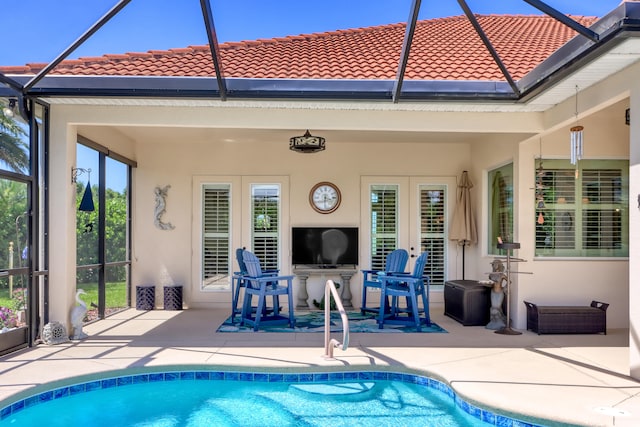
column 432, row 231
column 583, row 213
column 602, row 214
column 265, row 207
column 216, row 214
column 384, row 223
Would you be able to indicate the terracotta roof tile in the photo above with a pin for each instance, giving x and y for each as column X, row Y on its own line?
column 443, row 48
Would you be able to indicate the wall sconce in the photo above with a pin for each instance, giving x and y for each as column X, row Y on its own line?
column 627, row 116
column 86, row 204
column 10, row 110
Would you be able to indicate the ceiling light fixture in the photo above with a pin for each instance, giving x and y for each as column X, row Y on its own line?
column 307, row 143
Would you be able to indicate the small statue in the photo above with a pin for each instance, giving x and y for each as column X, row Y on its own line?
column 332, row 302
column 77, row 317
column 161, row 194
column 497, row 319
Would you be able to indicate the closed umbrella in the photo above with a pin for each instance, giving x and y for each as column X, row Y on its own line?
column 463, row 223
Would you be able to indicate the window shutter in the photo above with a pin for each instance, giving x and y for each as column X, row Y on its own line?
column 216, row 212
column 433, row 231
column 583, row 211
column 384, row 223
column 265, row 203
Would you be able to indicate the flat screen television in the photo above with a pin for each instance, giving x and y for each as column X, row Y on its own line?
column 324, row 247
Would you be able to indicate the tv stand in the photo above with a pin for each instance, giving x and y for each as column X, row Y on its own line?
column 303, row 273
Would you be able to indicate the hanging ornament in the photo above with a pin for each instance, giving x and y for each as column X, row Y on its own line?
column 540, row 218
column 576, row 138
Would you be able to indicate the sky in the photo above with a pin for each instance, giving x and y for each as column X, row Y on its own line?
column 43, row 29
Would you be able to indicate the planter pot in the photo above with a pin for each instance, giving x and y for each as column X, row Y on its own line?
column 13, row 339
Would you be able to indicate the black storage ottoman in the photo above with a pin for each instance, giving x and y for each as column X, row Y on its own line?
column 467, row 301
column 561, row 319
column 173, row 297
column 145, row 297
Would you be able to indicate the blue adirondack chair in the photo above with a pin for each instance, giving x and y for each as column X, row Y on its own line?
column 238, row 282
column 262, row 285
column 395, row 286
column 395, row 262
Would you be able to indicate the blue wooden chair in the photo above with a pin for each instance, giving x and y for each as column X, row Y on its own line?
column 262, row 285
column 238, row 282
column 395, row 286
column 395, row 262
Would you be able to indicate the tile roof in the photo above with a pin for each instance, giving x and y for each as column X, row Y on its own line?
column 442, row 49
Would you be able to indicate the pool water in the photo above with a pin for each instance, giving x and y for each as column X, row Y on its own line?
column 185, row 400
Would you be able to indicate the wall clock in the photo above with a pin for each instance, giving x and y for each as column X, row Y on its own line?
column 325, row 197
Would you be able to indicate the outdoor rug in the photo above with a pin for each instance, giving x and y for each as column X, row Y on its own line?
column 313, row 321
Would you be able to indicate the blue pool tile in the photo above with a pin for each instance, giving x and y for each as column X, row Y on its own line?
column 109, row 383
column 306, row 378
column 61, row 392
column 216, row 376
column 322, row 376
column 365, row 376
column 5, row 412
column 45, row 396
column 231, row 376
column 75, row 389
column 246, row 376
column 156, row 377
column 31, row 401
column 172, row 376
column 336, row 376
column 140, row 379
column 350, row 375
column 503, row 421
column 187, row 376
column 262, row 378
column 17, row 406
column 489, row 417
column 276, row 378
column 125, row 381
column 93, row 385
column 380, row 376
column 291, row 378
column 202, row 375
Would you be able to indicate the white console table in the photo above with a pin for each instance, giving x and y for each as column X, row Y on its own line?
column 303, row 274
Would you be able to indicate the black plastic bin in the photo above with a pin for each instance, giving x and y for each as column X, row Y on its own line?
column 145, row 297
column 173, row 297
column 467, row 301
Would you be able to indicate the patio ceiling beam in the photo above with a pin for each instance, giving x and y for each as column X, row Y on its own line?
column 406, row 48
column 110, row 14
column 207, row 14
column 483, row 36
column 11, row 83
column 542, row 6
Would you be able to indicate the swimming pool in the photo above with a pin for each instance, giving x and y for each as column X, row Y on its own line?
column 197, row 398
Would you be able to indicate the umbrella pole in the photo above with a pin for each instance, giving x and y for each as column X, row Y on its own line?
column 463, row 245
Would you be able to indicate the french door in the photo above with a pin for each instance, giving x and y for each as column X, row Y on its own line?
column 411, row 213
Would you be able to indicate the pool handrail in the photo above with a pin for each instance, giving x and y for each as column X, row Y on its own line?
column 330, row 344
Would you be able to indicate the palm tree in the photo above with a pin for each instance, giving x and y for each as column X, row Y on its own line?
column 13, row 145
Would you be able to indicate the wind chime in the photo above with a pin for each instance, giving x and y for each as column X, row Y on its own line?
column 576, row 139
column 540, row 189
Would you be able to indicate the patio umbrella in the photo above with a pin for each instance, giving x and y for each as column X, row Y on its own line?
column 463, row 224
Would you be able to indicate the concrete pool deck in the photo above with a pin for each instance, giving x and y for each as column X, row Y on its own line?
column 575, row 379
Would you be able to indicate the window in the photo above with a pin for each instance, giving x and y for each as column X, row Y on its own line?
column 384, row 223
column 584, row 212
column 216, row 236
column 265, row 214
column 500, row 207
column 433, row 228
